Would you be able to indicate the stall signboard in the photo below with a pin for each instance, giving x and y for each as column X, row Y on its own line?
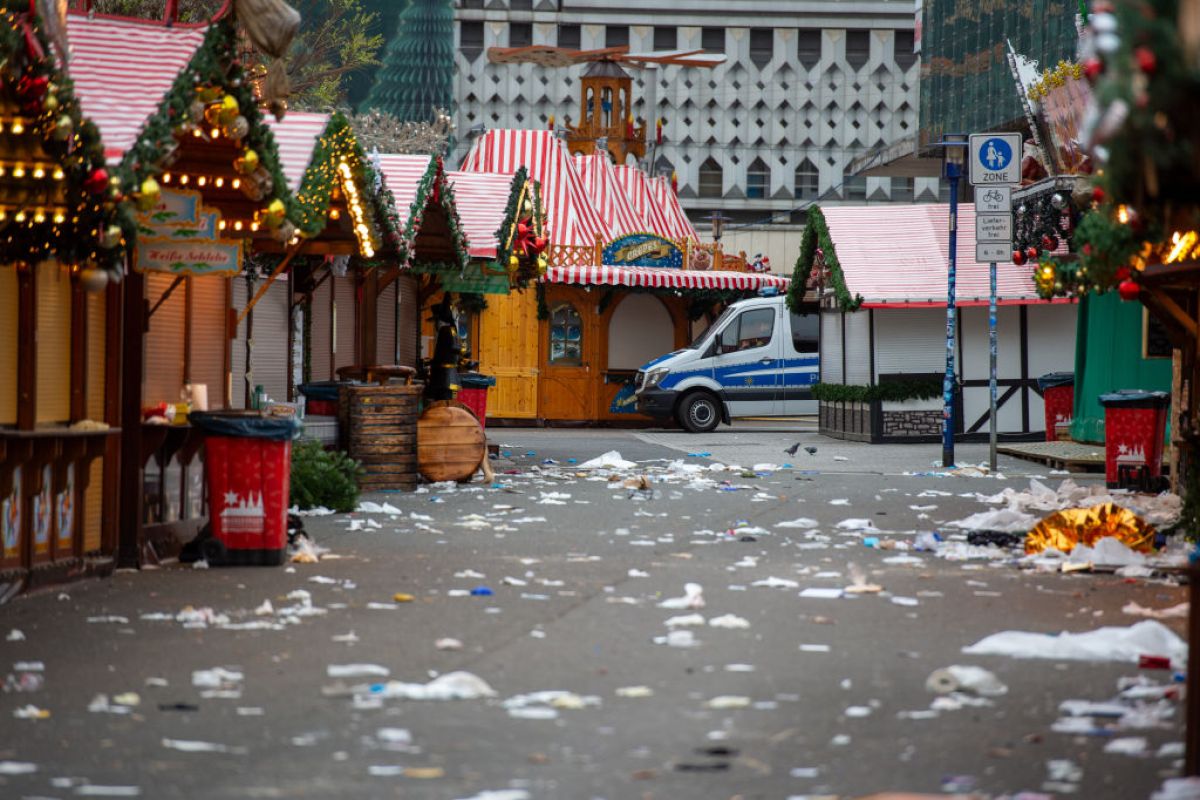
column 643, row 250
column 181, row 237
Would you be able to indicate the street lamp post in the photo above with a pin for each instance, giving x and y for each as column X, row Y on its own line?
column 718, row 220
column 953, row 156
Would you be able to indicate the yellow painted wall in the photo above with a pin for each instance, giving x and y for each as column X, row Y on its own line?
column 508, row 349
column 53, row 343
column 8, row 344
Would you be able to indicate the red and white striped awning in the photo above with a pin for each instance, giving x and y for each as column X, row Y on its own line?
column 636, row 184
column 898, row 255
column 680, row 225
column 571, row 219
column 600, row 182
column 123, row 69
column 482, row 200
column 295, row 139
column 662, row 278
column 402, row 175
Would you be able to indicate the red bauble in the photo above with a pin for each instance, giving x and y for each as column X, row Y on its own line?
column 30, row 89
column 1097, row 195
column 1092, row 69
column 1031, row 253
column 1146, row 61
column 97, row 181
column 1018, row 257
column 1049, row 242
column 1129, row 290
column 1122, row 274
column 1087, row 249
column 540, row 243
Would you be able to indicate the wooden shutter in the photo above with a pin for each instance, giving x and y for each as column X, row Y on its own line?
column 831, row 347
column 385, row 344
column 206, row 364
column 8, row 344
column 271, row 361
column 344, row 322
column 237, row 356
column 320, row 341
column 508, row 349
column 408, row 328
column 53, row 343
column 858, row 348
column 93, row 501
column 163, row 377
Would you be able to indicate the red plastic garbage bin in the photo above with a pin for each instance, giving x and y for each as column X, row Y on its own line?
column 248, row 467
column 1134, row 425
column 1058, row 396
column 473, row 394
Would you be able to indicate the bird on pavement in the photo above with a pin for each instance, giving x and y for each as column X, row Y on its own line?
column 812, row 451
column 791, row 451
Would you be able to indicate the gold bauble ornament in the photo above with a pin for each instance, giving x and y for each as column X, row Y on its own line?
column 264, row 180
column 149, row 195
column 208, row 94
column 274, row 213
column 237, row 129
column 514, row 263
column 229, row 109
column 110, row 237
column 64, row 126
column 247, row 162
column 212, row 114
column 50, row 104
column 93, row 279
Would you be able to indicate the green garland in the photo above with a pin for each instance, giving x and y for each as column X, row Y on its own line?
column 892, row 391
column 434, row 186
column 95, row 222
column 505, row 235
column 543, row 310
column 816, row 234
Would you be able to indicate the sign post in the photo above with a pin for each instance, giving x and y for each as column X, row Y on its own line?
column 995, row 168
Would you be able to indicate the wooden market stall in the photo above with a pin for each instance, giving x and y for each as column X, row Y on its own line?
column 62, row 228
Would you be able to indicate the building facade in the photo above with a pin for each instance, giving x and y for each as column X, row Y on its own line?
column 807, row 86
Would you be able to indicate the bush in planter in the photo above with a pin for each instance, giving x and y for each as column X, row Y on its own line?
column 893, row 391
column 323, row 477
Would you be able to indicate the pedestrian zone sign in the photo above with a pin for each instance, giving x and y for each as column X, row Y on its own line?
column 995, row 159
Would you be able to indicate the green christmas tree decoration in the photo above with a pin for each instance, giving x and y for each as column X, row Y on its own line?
column 417, row 75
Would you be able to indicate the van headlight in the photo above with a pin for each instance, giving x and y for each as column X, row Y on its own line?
column 654, row 377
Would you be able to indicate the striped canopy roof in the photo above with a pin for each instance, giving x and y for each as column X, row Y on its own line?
column 660, row 278
column 122, row 69
column 571, row 219
column 296, row 137
column 636, row 185
column 482, row 199
column 898, row 255
column 403, row 175
column 680, row 225
column 608, row 196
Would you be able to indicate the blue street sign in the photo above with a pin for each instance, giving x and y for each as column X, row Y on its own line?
column 995, row 159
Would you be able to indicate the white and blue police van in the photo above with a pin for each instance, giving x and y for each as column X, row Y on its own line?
column 758, row 359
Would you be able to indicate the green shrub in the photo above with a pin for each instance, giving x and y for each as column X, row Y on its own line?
column 323, row 477
column 892, row 391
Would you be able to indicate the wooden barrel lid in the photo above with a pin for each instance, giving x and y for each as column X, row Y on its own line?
column 450, row 442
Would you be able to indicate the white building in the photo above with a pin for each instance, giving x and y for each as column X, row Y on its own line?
column 808, row 85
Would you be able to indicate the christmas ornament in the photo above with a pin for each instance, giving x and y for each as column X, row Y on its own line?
column 196, row 112
column 1049, row 242
column 93, row 279
column 540, row 243
column 1092, row 69
column 1018, row 257
column 264, row 180
column 50, row 104
column 237, row 129
column 212, row 114
column 110, row 237
column 208, row 93
column 1058, row 201
column 149, row 195
column 1031, row 253
column 97, row 181
column 247, row 162
column 1129, row 290
column 1122, row 274
column 1097, row 195
column 274, row 213
column 1022, row 209
column 64, row 127
column 1145, row 59
column 514, row 263
column 31, row 89
column 284, row 233
column 228, row 109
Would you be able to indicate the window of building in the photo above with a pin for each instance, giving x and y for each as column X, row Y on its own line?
column 750, row 330
column 663, row 166
column 808, row 47
column 569, row 36
column 521, row 5
column 762, row 46
column 806, row 332
column 711, row 179
column 858, row 48
column 616, row 36
column 758, row 179
column 566, row 336
column 712, row 40
column 903, row 47
column 808, row 179
column 471, row 39
column 902, row 190
column 520, row 34
column 666, row 39
column 854, row 187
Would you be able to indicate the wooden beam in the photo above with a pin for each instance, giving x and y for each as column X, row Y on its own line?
column 389, row 277
column 174, row 285
column 1169, row 312
column 262, row 290
column 79, row 352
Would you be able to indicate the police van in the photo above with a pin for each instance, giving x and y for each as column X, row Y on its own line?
column 758, row 359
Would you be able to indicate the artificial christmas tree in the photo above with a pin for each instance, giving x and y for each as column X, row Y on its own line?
column 418, row 69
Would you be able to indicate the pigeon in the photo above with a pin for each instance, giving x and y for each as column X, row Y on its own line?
column 791, row 451
column 812, row 451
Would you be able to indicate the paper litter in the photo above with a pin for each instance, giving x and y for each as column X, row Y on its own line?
column 448, row 644
column 693, row 597
column 635, row 691
column 680, row 638
column 728, row 701
column 610, row 460
column 731, row 621
column 685, row 621
column 451, row 686
column 15, row 636
column 805, row 523
column 776, row 583
column 187, row 746
column 356, row 671
column 959, row 678
column 1102, row 644
column 1179, row 611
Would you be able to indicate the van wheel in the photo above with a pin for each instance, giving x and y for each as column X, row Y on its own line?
column 699, row 412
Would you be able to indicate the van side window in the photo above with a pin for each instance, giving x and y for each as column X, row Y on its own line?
column 805, row 332
column 751, row 329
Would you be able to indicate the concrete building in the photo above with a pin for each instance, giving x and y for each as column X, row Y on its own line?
column 808, row 85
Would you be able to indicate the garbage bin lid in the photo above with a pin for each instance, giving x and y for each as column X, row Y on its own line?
column 321, row 390
column 246, row 425
column 475, row 380
column 1052, row 379
column 1135, row 398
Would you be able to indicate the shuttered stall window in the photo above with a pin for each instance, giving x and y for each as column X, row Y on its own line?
column 910, row 340
column 8, row 344
column 831, row 347
column 207, row 362
column 344, row 322
column 163, row 377
column 385, row 345
column 408, row 329
column 858, row 347
column 320, row 341
column 270, row 361
column 93, row 502
column 53, row 343
column 237, row 355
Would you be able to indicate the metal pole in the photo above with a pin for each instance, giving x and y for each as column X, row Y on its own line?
column 992, row 367
column 952, row 171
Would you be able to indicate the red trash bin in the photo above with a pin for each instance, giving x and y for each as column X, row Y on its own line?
column 248, row 467
column 1058, row 396
column 1135, row 423
column 473, row 394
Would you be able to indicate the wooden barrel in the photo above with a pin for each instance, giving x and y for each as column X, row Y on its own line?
column 379, row 428
column 450, row 442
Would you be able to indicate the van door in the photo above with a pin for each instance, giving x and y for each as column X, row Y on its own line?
column 747, row 362
column 801, row 358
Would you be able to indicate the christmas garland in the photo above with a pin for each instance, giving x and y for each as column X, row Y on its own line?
column 816, row 234
column 91, row 228
column 1053, row 79
column 890, row 392
column 433, row 187
column 521, row 265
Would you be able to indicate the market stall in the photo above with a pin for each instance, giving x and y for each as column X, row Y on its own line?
column 62, row 230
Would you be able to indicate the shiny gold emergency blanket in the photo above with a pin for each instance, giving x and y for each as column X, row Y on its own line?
column 1065, row 529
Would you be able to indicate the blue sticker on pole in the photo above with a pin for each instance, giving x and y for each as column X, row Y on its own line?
column 995, row 159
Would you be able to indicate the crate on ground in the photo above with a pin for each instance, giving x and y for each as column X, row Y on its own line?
column 379, row 428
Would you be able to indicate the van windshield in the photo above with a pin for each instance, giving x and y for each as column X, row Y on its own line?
column 703, row 339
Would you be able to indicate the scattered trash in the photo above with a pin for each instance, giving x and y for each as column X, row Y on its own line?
column 186, row 746
column 635, row 691
column 727, row 701
column 482, row 591
column 693, row 597
column 17, row 768
column 1103, row 644
column 451, row 686
column 31, row 712
column 1179, row 611
column 448, row 644
column 958, row 678
column 610, row 460
column 684, row 621
column 776, row 583
column 729, row 621
column 678, row 638
column 805, row 523
column 14, row 636
column 217, row 678
column 401, row 597
column 821, row 593
column 357, row 671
